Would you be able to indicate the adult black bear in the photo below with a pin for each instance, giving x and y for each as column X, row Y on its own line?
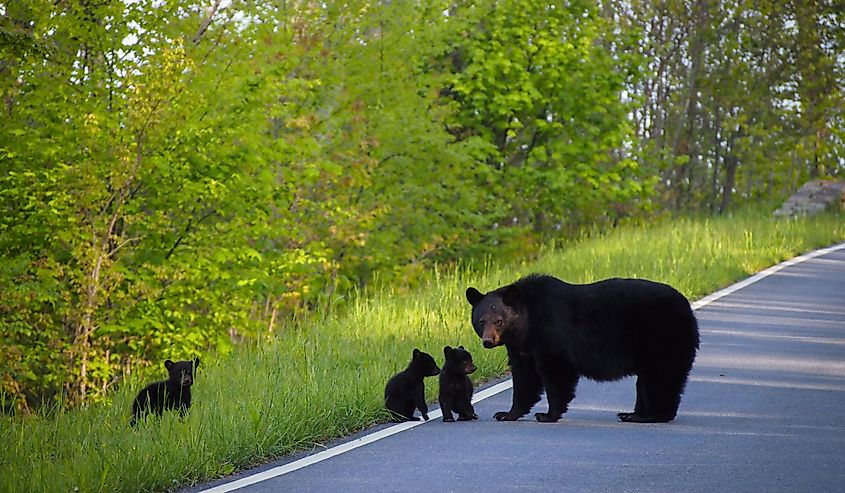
column 556, row 332
column 405, row 391
column 173, row 393
column 455, row 385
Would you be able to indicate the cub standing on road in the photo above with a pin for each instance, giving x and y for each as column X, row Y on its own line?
column 455, row 385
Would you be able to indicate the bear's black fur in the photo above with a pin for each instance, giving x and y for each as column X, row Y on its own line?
column 556, row 332
column 455, row 385
column 173, row 393
column 405, row 391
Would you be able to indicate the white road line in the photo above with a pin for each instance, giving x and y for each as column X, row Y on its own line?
column 481, row 395
column 346, row 447
column 764, row 274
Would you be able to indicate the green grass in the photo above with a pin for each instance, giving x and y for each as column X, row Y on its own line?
column 324, row 377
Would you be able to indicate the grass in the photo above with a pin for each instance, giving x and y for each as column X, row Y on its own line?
column 324, row 377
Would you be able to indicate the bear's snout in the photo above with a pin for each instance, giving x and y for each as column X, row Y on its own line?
column 491, row 338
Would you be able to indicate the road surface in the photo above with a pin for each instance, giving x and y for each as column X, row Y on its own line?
column 764, row 411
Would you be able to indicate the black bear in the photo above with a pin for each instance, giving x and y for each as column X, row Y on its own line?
column 556, row 332
column 173, row 393
column 405, row 391
column 455, row 385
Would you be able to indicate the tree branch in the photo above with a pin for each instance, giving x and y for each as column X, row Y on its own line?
column 206, row 23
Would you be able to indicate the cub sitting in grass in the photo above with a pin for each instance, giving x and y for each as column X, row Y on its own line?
column 175, row 392
column 455, row 385
column 405, row 390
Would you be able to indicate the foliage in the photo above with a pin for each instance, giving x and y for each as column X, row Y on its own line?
column 182, row 177
column 738, row 100
column 536, row 81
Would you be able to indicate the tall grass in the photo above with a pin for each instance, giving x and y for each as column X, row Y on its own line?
column 323, row 377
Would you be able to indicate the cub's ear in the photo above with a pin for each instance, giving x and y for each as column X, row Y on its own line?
column 511, row 296
column 168, row 363
column 416, row 352
column 196, row 362
column 474, row 296
column 461, row 347
column 447, row 351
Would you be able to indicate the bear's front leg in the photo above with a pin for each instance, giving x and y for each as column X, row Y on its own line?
column 527, row 385
column 419, row 401
column 446, row 409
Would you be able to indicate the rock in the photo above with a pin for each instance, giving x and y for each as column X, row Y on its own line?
column 814, row 197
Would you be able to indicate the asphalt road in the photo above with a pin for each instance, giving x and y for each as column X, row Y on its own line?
column 763, row 412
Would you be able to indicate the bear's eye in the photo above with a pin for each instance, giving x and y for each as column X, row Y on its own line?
column 499, row 322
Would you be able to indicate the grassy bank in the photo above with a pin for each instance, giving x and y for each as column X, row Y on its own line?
column 324, row 376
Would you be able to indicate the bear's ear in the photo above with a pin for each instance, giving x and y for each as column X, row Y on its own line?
column 474, row 296
column 196, row 362
column 416, row 352
column 168, row 364
column 447, row 350
column 511, row 296
column 461, row 347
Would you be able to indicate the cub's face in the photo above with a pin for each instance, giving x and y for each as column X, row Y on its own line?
column 458, row 360
column 496, row 316
column 182, row 371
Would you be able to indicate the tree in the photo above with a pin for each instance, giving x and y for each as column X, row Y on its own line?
column 536, row 82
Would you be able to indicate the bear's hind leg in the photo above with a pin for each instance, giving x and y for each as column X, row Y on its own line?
column 401, row 410
column 465, row 411
column 639, row 405
column 658, row 398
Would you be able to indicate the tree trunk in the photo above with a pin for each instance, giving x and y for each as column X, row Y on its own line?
column 82, row 336
column 714, row 181
column 731, row 164
column 817, row 78
column 688, row 144
column 730, row 179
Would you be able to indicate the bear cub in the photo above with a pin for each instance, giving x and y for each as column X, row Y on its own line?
column 173, row 393
column 405, row 391
column 455, row 385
